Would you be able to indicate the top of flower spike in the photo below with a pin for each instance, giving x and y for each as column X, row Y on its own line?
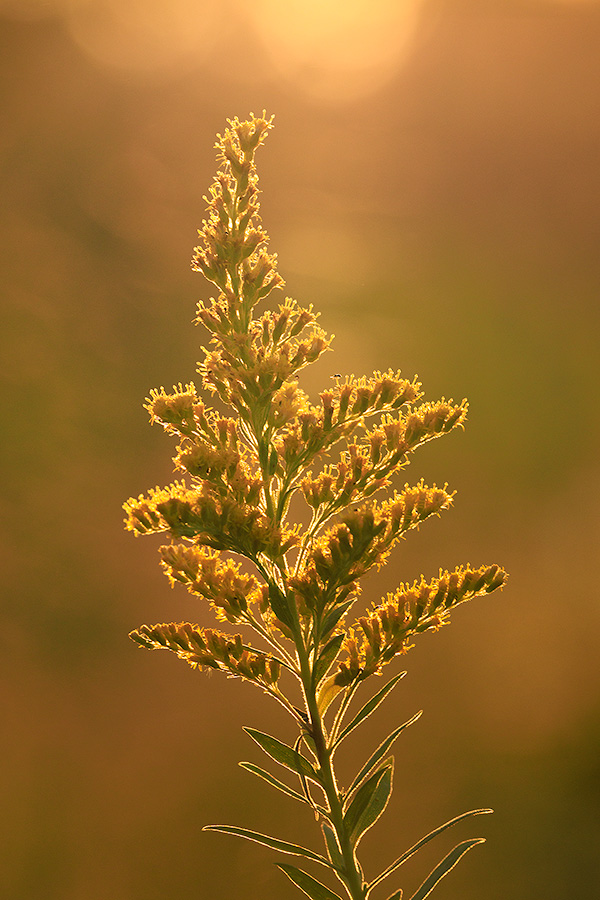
column 244, row 470
column 242, row 138
column 232, row 253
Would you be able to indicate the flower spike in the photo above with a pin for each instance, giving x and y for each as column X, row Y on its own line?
column 262, row 453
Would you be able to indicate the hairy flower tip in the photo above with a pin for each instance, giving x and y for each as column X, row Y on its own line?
column 367, row 533
column 412, row 506
column 432, row 419
column 142, row 516
column 206, row 648
column 288, row 403
column 244, row 137
column 382, row 391
column 176, row 508
column 206, row 574
column 363, row 538
column 318, row 491
column 220, row 522
column 221, row 464
column 275, row 328
column 386, row 390
column 232, row 253
column 178, row 412
column 341, row 555
column 388, row 628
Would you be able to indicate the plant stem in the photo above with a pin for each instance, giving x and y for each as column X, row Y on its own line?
column 352, row 875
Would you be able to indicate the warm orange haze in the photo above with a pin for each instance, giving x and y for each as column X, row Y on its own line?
column 432, row 189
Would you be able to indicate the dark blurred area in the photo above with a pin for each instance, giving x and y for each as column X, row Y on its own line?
column 432, row 186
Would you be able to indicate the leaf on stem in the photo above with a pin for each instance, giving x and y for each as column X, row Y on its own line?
column 273, row 843
column 333, row 848
column 380, row 753
column 283, row 754
column 444, row 867
column 370, row 706
column 266, row 776
column 397, row 895
column 327, row 656
column 327, row 694
column 335, row 615
column 369, row 802
column 425, row 840
column 279, row 605
column 311, row 887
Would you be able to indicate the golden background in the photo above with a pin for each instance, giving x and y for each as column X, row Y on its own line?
column 433, row 187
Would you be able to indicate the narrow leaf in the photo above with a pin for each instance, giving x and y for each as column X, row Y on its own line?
column 370, row 706
column 327, row 694
column 283, row 754
column 273, row 843
column 327, row 656
column 444, row 867
column 402, row 859
column 369, row 802
column 311, row 887
column 308, row 740
column 397, row 895
column 333, row 848
column 279, row 605
column 256, row 770
column 380, row 753
column 335, row 615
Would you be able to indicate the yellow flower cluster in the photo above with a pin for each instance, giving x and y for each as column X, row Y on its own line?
column 206, row 648
column 342, row 411
column 388, row 628
column 265, row 370
column 364, row 468
column 229, row 541
column 232, row 254
column 205, row 573
column 240, row 472
column 362, row 539
column 234, row 258
column 220, row 523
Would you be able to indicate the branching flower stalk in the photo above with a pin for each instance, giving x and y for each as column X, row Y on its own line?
column 230, row 540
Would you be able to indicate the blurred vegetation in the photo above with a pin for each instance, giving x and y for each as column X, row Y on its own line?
column 434, row 191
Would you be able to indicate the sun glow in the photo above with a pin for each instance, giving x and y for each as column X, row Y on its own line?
column 336, row 50
column 148, row 36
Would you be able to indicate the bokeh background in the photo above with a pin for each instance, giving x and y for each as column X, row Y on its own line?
column 433, row 187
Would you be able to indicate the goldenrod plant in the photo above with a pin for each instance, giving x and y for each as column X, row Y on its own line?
column 291, row 585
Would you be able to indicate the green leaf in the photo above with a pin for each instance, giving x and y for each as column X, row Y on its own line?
column 327, row 656
column 370, row 706
column 380, row 753
column 283, row 754
column 444, row 867
column 327, row 693
column 335, row 615
column 369, row 802
column 279, row 605
column 311, row 887
column 273, row 843
column 402, row 859
column 256, row 770
column 333, row 848
column 308, row 740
